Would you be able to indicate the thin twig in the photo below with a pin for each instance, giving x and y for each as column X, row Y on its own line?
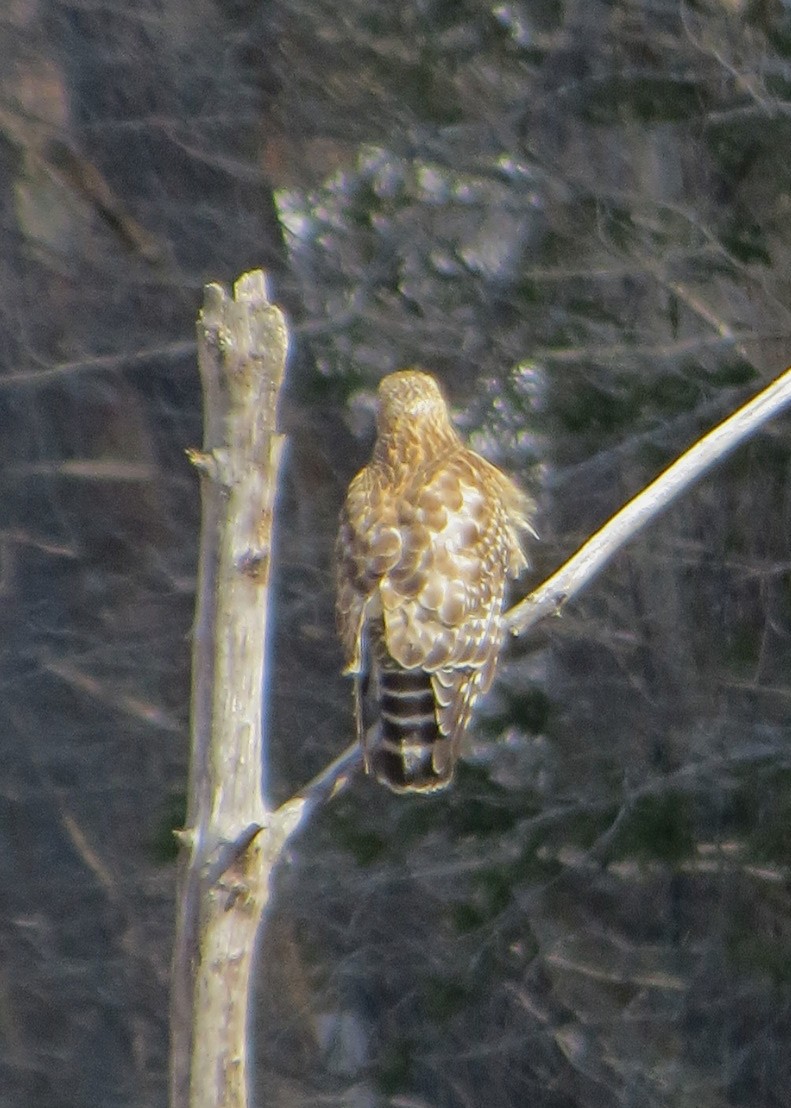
column 333, row 778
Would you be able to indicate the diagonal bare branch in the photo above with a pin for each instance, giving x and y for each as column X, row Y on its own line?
column 593, row 555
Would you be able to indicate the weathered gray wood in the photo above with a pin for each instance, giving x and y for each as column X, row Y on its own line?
column 242, row 344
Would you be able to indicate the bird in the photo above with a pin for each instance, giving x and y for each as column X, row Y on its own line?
column 429, row 534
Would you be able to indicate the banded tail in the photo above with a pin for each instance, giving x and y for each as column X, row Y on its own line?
column 404, row 746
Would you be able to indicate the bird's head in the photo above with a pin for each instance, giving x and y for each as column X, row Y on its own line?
column 411, row 406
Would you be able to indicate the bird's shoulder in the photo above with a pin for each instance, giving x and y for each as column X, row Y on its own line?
column 465, row 483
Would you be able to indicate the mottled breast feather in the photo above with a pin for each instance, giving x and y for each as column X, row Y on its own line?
column 429, row 534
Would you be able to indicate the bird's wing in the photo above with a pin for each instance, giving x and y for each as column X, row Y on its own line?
column 368, row 546
column 442, row 597
column 431, row 558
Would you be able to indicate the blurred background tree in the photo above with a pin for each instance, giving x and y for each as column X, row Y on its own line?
column 578, row 217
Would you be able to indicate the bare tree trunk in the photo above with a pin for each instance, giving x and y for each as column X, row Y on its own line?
column 224, row 883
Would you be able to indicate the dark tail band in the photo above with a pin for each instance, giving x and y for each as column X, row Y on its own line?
column 407, row 751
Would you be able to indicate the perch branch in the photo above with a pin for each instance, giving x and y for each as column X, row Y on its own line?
column 549, row 597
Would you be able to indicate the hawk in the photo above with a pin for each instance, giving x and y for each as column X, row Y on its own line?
column 429, row 533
